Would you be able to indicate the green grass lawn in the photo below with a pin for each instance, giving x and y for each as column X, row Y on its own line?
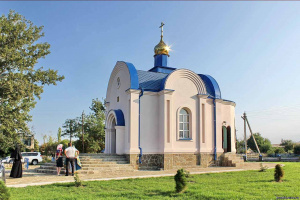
column 231, row 185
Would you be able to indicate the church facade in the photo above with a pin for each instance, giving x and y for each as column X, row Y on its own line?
column 167, row 117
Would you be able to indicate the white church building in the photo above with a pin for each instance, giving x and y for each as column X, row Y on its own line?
column 167, row 117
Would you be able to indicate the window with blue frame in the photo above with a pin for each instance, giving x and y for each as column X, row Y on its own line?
column 184, row 124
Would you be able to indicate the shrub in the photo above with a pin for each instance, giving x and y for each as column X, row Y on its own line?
column 186, row 173
column 263, row 168
column 180, row 179
column 278, row 173
column 78, row 182
column 46, row 159
column 271, row 152
column 297, row 149
column 278, row 150
column 4, row 193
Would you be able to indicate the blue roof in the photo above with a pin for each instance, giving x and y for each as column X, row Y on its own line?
column 134, row 83
column 120, row 117
column 154, row 81
column 150, row 81
column 212, row 87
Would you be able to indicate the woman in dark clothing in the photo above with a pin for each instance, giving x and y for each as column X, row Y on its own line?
column 59, row 158
column 16, row 171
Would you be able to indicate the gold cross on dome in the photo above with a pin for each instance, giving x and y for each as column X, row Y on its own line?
column 162, row 29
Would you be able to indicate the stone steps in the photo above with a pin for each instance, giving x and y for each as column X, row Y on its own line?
column 231, row 160
column 102, row 159
column 93, row 164
column 104, row 165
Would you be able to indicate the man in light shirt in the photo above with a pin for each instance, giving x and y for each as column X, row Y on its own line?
column 70, row 154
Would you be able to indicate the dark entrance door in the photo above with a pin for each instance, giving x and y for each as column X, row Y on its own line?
column 228, row 139
column 224, row 138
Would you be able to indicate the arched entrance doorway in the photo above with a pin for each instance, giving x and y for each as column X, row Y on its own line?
column 111, row 135
column 226, row 138
column 115, row 132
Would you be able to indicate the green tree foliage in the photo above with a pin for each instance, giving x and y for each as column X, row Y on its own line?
column 77, row 180
column 49, row 146
column 263, row 144
column 71, row 128
column 180, row 180
column 36, row 145
column 297, row 149
column 4, row 192
column 20, row 81
column 279, row 173
column 240, row 146
column 278, row 150
column 59, row 134
column 94, row 134
column 288, row 145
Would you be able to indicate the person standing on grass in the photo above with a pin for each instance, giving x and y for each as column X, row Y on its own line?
column 59, row 158
column 16, row 170
column 70, row 154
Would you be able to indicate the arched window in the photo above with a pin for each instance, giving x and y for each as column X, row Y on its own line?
column 184, row 124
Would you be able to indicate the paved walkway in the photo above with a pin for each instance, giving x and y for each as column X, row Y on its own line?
column 30, row 178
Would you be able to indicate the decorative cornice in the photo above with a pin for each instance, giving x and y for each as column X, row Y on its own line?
column 166, row 92
column 225, row 102
column 202, row 96
column 134, row 91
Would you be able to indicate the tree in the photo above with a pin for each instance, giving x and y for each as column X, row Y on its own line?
column 279, row 173
column 4, row 192
column 263, row 143
column 71, row 128
column 36, row 145
column 240, row 146
column 49, row 146
column 20, row 81
column 180, row 180
column 297, row 149
column 288, row 145
column 94, row 133
column 59, row 135
column 278, row 150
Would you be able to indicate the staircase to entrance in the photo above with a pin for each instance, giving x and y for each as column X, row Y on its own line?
column 231, row 160
column 94, row 164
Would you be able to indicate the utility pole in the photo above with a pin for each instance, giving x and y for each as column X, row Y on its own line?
column 245, row 135
column 82, row 132
column 71, row 132
column 252, row 135
column 246, row 122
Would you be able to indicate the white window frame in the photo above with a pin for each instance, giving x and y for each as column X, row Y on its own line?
column 184, row 127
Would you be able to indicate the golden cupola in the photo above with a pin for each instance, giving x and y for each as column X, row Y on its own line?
column 161, row 48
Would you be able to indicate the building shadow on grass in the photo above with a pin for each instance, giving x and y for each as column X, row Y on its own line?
column 263, row 181
column 70, row 184
column 153, row 194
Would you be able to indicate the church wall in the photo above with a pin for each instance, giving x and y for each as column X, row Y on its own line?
column 133, row 123
column 228, row 115
column 184, row 96
column 149, row 123
column 219, row 122
column 208, row 145
column 115, row 93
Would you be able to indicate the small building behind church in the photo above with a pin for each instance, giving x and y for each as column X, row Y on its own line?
column 167, row 117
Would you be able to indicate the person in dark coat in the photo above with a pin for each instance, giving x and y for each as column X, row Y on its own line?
column 16, row 171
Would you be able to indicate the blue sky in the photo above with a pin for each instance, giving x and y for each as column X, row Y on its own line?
column 250, row 48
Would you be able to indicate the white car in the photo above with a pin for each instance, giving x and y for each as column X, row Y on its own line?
column 33, row 157
column 2, row 172
column 7, row 160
